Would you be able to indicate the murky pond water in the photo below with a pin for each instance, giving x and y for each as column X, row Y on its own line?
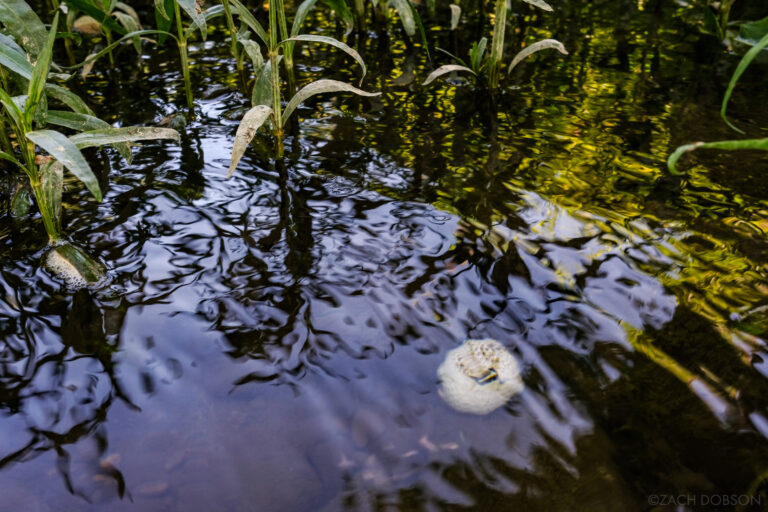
column 271, row 341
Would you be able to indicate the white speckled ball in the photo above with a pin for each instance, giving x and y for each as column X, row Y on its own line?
column 479, row 377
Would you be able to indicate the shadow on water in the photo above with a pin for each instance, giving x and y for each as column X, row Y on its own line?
column 271, row 341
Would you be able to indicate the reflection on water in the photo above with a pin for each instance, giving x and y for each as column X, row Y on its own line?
column 271, row 342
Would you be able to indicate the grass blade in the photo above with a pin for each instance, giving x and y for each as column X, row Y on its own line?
column 455, row 16
column 85, row 122
column 252, row 121
column 333, row 42
column 301, row 15
column 320, row 87
column 541, row 4
column 444, row 70
column 105, row 136
column 15, row 61
column 51, row 186
column 65, row 151
column 39, row 75
column 344, row 13
column 536, row 47
column 403, row 8
column 759, row 144
column 68, row 98
column 743, row 64
column 163, row 18
column 248, row 19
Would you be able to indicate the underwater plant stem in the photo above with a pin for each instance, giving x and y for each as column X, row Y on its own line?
column 183, row 55
column 497, row 43
column 233, row 36
column 275, row 77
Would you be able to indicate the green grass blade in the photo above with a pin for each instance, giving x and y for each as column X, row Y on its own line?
column 51, row 186
column 745, row 61
column 444, row 70
column 252, row 121
column 320, row 87
column 164, row 15
column 333, row 42
column 65, row 151
column 23, row 24
column 301, row 15
column 40, row 74
column 249, row 20
column 68, row 98
column 497, row 42
column 759, row 144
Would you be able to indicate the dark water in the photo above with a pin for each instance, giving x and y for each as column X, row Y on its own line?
column 270, row 342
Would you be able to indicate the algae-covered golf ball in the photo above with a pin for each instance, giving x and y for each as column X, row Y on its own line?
column 479, row 377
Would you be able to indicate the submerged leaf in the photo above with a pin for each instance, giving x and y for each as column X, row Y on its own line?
column 61, row 148
column 444, row 70
column 535, row 47
column 761, row 144
column 252, row 121
column 320, row 87
column 333, row 42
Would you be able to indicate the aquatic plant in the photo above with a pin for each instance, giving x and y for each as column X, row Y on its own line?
column 28, row 116
column 759, row 144
column 103, row 17
column 490, row 65
column 266, row 93
column 479, row 376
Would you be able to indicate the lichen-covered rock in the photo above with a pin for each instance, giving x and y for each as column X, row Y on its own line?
column 479, row 377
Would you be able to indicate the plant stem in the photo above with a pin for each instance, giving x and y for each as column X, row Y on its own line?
column 360, row 11
column 275, row 76
column 183, row 55
column 288, row 51
column 233, row 36
column 497, row 43
column 108, row 36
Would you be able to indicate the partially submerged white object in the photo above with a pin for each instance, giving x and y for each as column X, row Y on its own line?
column 479, row 377
column 73, row 265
